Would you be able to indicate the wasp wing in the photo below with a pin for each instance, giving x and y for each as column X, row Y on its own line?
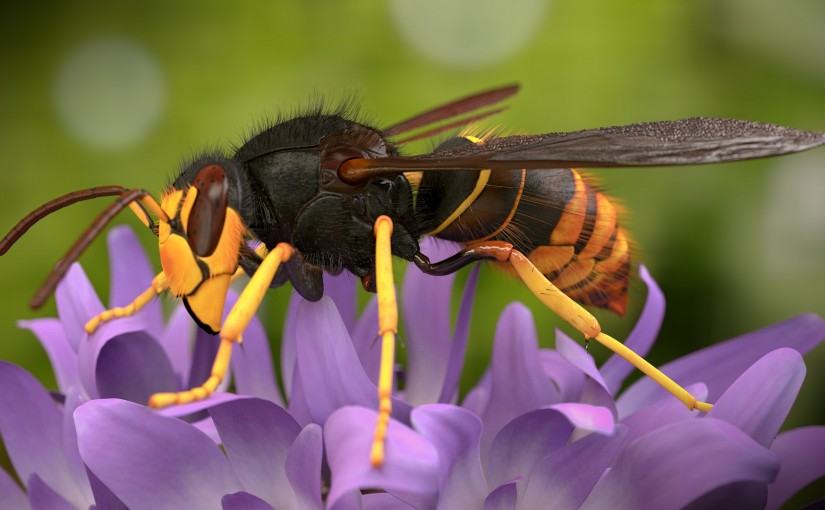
column 453, row 109
column 681, row 142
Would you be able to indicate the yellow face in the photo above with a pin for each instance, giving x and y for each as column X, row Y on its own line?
column 202, row 282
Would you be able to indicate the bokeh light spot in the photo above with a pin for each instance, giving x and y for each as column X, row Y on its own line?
column 109, row 92
column 468, row 33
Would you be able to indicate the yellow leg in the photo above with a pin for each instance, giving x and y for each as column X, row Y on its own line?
column 232, row 328
column 584, row 322
column 159, row 284
column 387, row 329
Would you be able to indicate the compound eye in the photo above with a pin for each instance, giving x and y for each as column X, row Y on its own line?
column 208, row 211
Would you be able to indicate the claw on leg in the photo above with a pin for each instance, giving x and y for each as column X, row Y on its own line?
column 387, row 329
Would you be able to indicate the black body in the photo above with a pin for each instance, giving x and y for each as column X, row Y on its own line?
column 284, row 183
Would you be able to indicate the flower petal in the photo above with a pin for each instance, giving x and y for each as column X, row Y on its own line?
column 456, row 434
column 77, row 302
column 593, row 390
column 758, row 402
column 43, row 497
column 176, row 340
column 515, row 351
column 133, row 366
column 104, row 498
column 503, row 497
column 410, row 462
column 533, row 435
column 343, row 290
column 661, row 414
column 91, row 346
column 425, row 301
column 383, row 501
column 73, row 461
column 63, row 358
column 203, row 357
column 365, row 339
column 303, row 467
column 11, row 494
column 252, row 367
column 733, row 495
column 718, row 366
column 802, row 459
column 331, row 374
column 569, row 379
column 130, row 448
column 289, row 345
column 131, row 274
column 565, row 477
column 616, row 369
column 244, row 501
column 458, row 349
column 257, row 435
column 646, row 470
column 32, row 428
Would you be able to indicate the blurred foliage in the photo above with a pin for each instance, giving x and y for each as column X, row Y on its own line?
column 723, row 245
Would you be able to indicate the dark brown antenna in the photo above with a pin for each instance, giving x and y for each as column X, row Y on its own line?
column 52, row 206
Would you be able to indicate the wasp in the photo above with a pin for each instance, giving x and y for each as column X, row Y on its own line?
column 324, row 192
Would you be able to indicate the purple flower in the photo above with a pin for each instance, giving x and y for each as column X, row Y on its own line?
column 542, row 428
column 133, row 357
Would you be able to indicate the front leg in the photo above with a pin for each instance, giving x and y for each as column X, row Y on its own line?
column 232, row 329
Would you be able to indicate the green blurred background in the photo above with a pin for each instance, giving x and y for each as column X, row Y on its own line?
column 119, row 92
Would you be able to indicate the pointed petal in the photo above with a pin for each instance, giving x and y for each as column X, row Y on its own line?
column 802, row 460
column 366, row 341
column 11, row 494
column 77, row 302
column 257, row 435
column 410, row 463
column 458, row 350
column 518, row 381
column 32, row 428
column 130, row 448
column 43, row 497
column 425, row 301
column 456, row 434
column 565, row 477
column 569, row 379
column 52, row 337
column 303, row 467
column 130, row 274
column 133, row 366
column 203, row 356
column 252, row 367
column 646, row 470
column 616, row 369
column 331, row 374
column 70, row 450
column 289, row 345
column 718, row 366
column 176, row 341
column 594, row 390
column 343, row 289
column 758, row 402
column 244, row 501
column 104, row 498
column 503, row 498
column 534, row 435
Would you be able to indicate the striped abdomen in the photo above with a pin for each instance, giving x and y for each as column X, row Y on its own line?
column 567, row 228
